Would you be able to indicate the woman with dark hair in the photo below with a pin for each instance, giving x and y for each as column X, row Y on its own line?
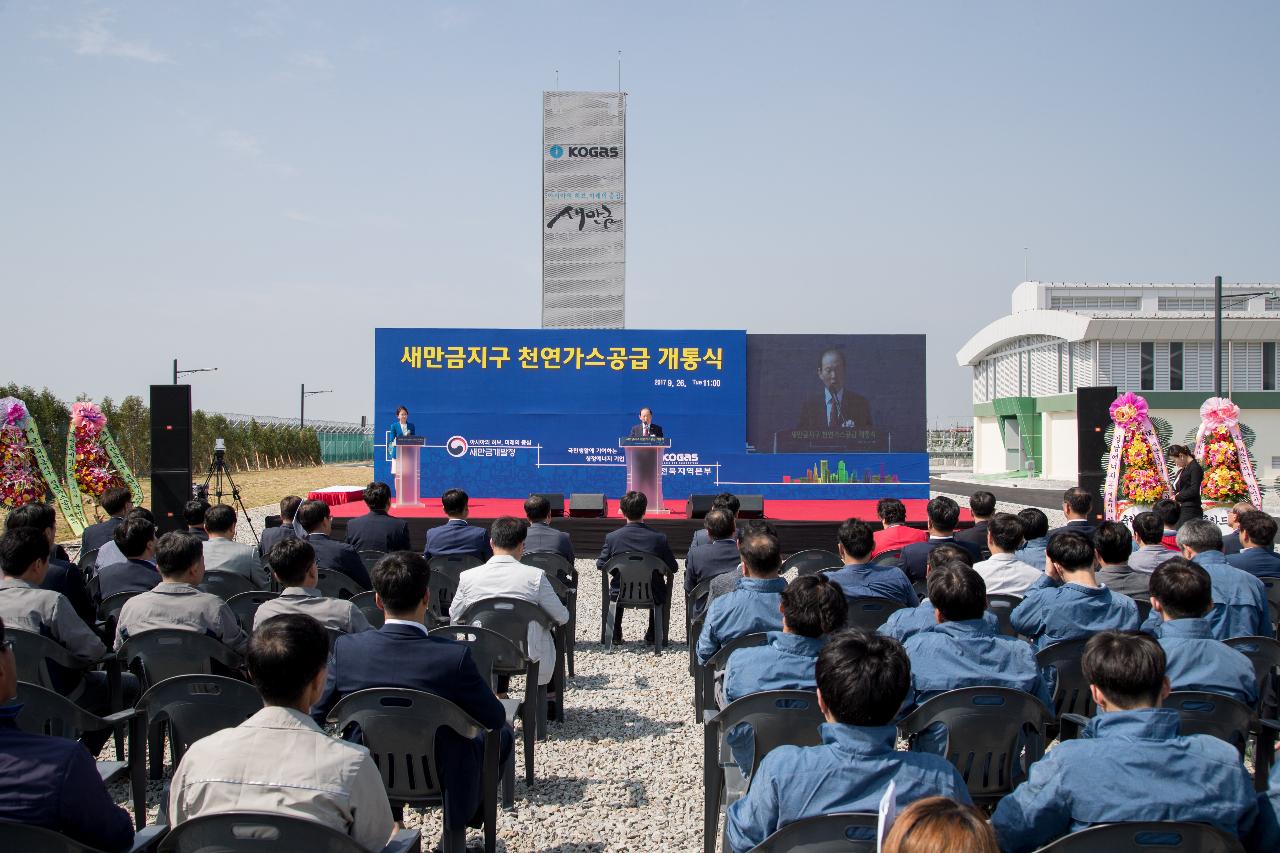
column 401, row 427
column 1186, row 483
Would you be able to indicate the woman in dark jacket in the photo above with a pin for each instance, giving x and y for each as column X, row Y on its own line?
column 1186, row 483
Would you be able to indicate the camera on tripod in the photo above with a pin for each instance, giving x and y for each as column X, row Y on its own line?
column 217, row 471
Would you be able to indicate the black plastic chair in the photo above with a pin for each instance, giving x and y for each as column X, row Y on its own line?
column 1002, row 606
column 843, row 832
column 1071, row 690
column 891, row 557
column 48, row 713
column 704, row 681
column 777, row 718
column 811, row 561
column 38, row 656
column 165, row 652
column 245, row 606
column 511, row 618
column 194, row 706
column 24, row 837
column 399, row 730
column 1273, row 601
column 568, row 596
column 368, row 605
column 446, row 574
column 554, row 564
column 988, row 729
column 1144, row 609
column 334, row 584
column 1227, row 719
column 225, row 585
column 695, row 614
column 921, row 588
column 370, row 559
column 869, row 613
column 1264, row 654
column 87, row 560
column 1146, row 837
column 109, row 614
column 262, row 832
column 636, row 571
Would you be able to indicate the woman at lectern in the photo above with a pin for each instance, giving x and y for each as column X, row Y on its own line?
column 401, row 427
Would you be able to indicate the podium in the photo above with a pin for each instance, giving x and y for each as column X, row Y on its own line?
column 408, row 462
column 644, row 468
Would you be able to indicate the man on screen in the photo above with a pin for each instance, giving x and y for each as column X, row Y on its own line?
column 836, row 407
column 646, row 427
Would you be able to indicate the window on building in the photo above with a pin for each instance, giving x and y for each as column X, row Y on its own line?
column 1072, row 302
column 1175, row 366
column 1147, row 366
column 1186, row 303
column 1269, row 366
column 1273, row 303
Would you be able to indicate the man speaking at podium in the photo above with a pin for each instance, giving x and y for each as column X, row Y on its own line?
column 646, row 428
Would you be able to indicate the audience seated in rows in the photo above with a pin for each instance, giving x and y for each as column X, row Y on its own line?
column 403, row 654
column 222, row 553
column 894, row 533
column 1130, row 763
column 1148, row 530
column 317, row 523
column 131, row 565
column 62, row 576
column 1035, row 537
column 272, row 535
column 1256, row 534
column 1182, row 594
column 861, row 578
column 717, row 555
column 862, row 680
column 504, row 576
column 1169, row 513
column 982, row 505
column 728, row 582
column 115, row 501
column 725, row 501
column 906, row 623
column 1113, row 546
column 756, row 601
column 1067, row 603
column 376, row 530
column 193, row 513
column 457, row 535
column 542, row 537
column 293, row 562
column 944, row 514
column 635, row 535
column 940, row 825
column 52, row 782
column 1077, row 503
column 279, row 760
column 175, row 603
column 1002, row 572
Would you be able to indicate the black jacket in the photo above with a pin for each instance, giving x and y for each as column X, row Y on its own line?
column 1187, row 485
column 377, row 531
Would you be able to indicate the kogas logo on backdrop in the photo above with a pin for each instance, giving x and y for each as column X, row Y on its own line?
column 606, row 151
column 457, row 446
column 556, row 151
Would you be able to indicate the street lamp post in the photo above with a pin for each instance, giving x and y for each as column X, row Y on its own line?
column 177, row 372
column 302, row 406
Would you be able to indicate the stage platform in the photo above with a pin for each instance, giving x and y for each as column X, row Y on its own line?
column 800, row 524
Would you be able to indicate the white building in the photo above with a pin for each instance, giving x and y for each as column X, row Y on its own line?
column 1154, row 339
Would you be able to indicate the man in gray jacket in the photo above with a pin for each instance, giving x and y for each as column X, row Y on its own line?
column 222, row 553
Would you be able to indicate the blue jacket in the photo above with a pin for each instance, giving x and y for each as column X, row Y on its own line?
column 1194, row 660
column 97, row 535
column 1239, row 601
column 378, row 531
column 1052, row 612
column 971, row 653
column 1128, row 766
column 273, row 536
column 753, row 606
column 132, row 576
column 786, row 663
column 395, row 433
column 1258, row 562
column 906, row 623
column 849, row 772
column 456, row 536
column 915, row 555
column 1032, row 552
column 339, row 557
column 53, row 782
column 867, row 580
column 710, row 559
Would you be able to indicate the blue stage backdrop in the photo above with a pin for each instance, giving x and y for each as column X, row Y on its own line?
column 506, row 412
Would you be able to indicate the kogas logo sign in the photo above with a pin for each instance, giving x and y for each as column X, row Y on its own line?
column 606, row 151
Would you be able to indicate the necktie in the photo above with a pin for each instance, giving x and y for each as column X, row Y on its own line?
column 646, row 430
column 833, row 413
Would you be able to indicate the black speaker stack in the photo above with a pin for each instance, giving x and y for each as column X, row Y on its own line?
column 587, row 506
column 1093, row 414
column 170, row 455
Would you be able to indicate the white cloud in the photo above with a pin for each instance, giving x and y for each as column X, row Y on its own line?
column 311, row 60
column 246, row 147
column 92, row 36
column 298, row 216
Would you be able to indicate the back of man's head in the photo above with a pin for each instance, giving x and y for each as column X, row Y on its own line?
column 133, row 535
column 1113, row 542
column 718, row 524
column 1005, row 531
column 454, row 502
column 289, row 508
column 863, row 677
column 1240, row 507
column 891, row 511
column 727, row 500
column 957, row 592
column 758, row 525
column 1183, row 589
column 506, row 533
column 943, row 514
column 290, row 559
column 633, row 505
column 1148, row 528
column 194, row 511
column 219, row 519
column 38, row 515
column 1077, row 502
column 982, row 504
column 401, row 580
column 114, row 500
column 946, row 553
column 813, row 605
column 1259, row 527
column 140, row 512
column 176, row 552
column 285, row 655
column 761, row 556
column 856, row 538
column 1070, row 550
column 377, row 496
column 1035, row 524
column 1168, row 512
column 1200, row 536
column 537, row 508
column 1127, row 667
column 311, row 515
column 20, row 549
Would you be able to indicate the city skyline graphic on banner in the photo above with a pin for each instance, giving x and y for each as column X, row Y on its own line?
column 821, row 472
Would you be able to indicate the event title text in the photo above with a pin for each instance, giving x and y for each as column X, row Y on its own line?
column 687, row 359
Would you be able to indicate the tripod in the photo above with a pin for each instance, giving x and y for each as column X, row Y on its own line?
column 218, row 470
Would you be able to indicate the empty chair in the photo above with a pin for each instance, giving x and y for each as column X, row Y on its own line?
column 22, row 836
column 368, row 605
column 247, row 832
column 844, row 832
column 1002, row 606
column 870, row 613
column 225, row 584
column 194, row 706
column 1071, row 690
column 245, row 606
column 370, row 559
column 335, row 584
column 635, row 571
column 511, row 618
column 704, row 682
column 1146, row 837
column 811, row 561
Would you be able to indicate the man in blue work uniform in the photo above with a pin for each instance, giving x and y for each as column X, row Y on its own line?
column 754, row 605
column 861, row 578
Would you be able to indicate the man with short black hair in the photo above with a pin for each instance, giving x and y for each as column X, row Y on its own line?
column 222, row 553
column 193, row 514
column 727, row 583
column 944, row 514
column 376, row 530
column 726, row 501
column 1257, row 535
column 1077, row 503
column 542, row 537
column 288, row 509
column 909, row 621
column 861, row 578
column 293, row 562
column 718, row 555
column 1130, row 764
column 635, row 535
column 116, row 501
column 136, row 539
column 1068, row 603
column 1002, row 572
column 1113, row 546
column 982, row 504
column 894, row 532
column 1169, row 514
column 317, row 523
column 110, row 553
column 504, row 576
column 1148, row 529
column 755, row 603
column 1035, row 537
column 457, row 536
column 62, row 576
column 279, row 760
column 175, row 602
column 862, row 680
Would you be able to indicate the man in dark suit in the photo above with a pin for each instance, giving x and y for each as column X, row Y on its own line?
column 116, row 502
column 718, row 556
column 1076, row 505
column 403, row 654
column 724, row 500
column 1231, row 541
column 61, row 576
column 136, row 539
column 1257, row 541
column 983, row 506
column 288, row 509
column 376, row 530
column 646, row 428
column 330, row 554
column 542, row 536
column 193, row 514
column 943, row 514
column 635, row 535
column 836, row 407
column 456, row 536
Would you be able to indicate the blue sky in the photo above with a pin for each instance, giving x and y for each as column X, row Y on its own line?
column 256, row 186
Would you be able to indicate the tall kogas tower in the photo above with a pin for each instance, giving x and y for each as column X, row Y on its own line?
column 584, row 204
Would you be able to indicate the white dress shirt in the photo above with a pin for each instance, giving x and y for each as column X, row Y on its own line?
column 1005, row 574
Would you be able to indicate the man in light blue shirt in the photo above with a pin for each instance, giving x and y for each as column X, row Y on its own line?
column 1035, row 533
column 1181, row 593
column 908, row 622
column 1130, row 764
column 755, row 603
column 861, row 578
column 862, row 679
column 1068, row 603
